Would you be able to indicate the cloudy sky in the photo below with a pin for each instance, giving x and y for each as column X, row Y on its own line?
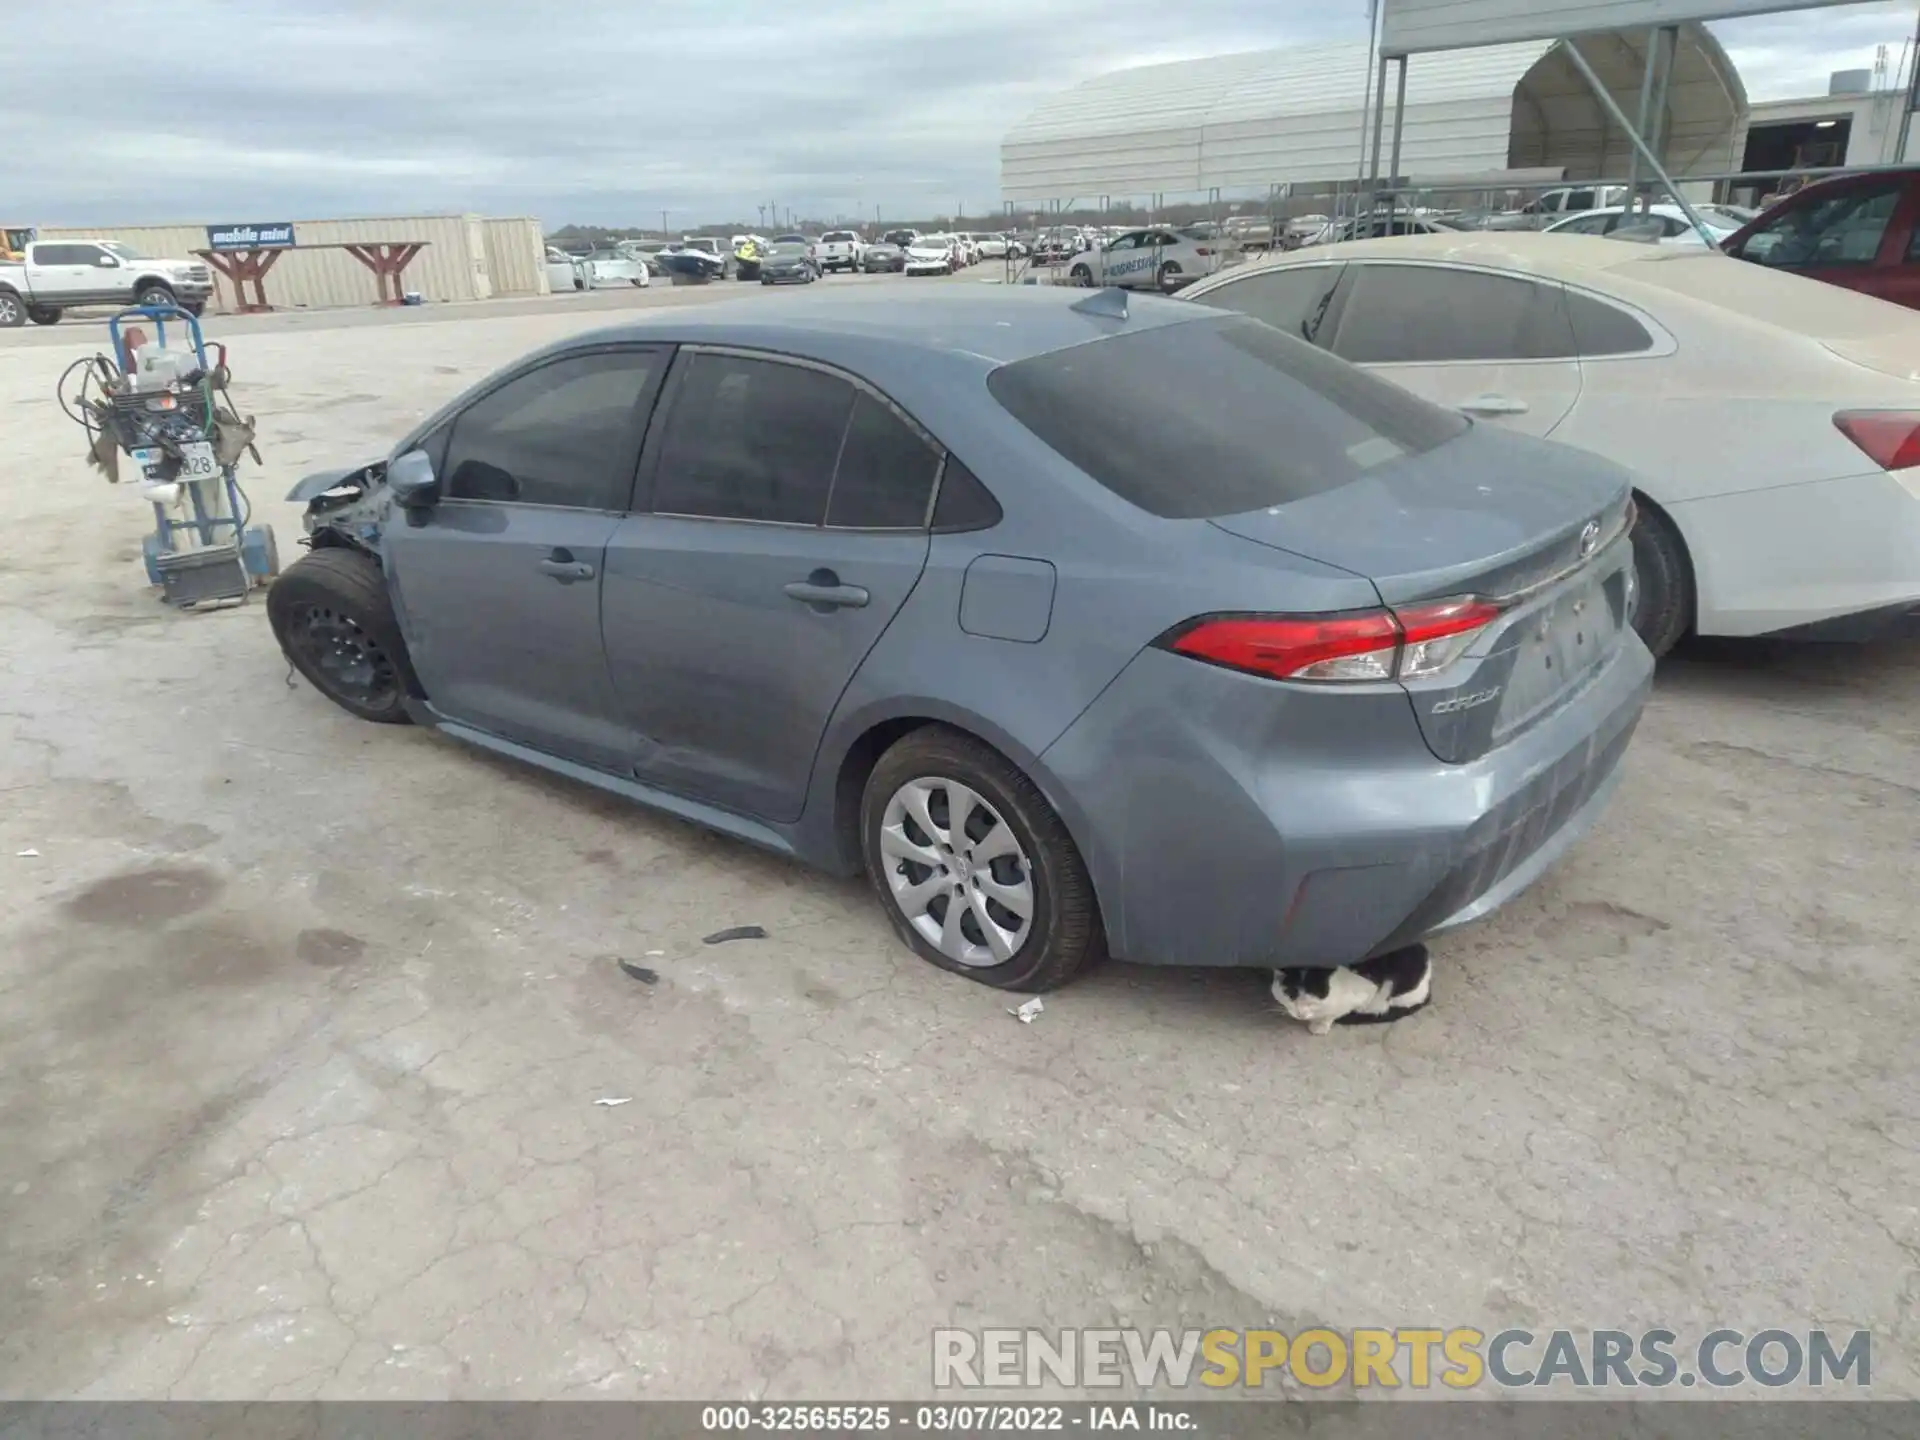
column 249, row 110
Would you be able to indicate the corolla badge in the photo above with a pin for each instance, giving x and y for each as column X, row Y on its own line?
column 1589, row 538
column 1465, row 702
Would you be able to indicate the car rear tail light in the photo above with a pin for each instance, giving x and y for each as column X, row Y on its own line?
column 1202, row 250
column 1890, row 438
column 1406, row 644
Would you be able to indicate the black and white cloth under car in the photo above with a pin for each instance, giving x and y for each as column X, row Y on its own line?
column 1389, row 987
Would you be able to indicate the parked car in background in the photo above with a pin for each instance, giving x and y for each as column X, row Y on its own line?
column 1078, row 638
column 1860, row 232
column 563, row 271
column 611, row 268
column 991, row 247
column 840, row 250
column 789, row 262
column 1661, row 224
column 1773, row 424
column 1380, row 227
column 902, row 238
column 1147, row 259
column 883, row 258
column 1552, row 205
column 930, row 255
column 54, row 276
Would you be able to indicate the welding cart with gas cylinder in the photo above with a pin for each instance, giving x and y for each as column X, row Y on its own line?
column 162, row 401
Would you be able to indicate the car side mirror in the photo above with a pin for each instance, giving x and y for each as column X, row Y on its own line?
column 411, row 481
column 107, row 262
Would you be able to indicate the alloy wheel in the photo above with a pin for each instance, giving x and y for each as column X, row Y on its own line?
column 957, row 871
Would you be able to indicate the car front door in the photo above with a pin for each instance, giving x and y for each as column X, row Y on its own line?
column 788, row 524
column 498, row 584
column 1856, row 235
column 1498, row 347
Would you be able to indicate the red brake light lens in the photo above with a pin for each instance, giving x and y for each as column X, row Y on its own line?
column 1890, row 438
column 1372, row 645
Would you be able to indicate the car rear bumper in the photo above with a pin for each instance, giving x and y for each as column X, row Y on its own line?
column 1805, row 560
column 1230, row 821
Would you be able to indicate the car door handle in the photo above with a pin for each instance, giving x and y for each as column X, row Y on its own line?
column 827, row 594
column 1494, row 405
column 563, row 567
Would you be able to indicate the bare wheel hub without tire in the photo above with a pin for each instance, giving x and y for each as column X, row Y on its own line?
column 957, row 871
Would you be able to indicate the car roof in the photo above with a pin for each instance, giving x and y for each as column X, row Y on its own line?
column 1640, row 274
column 998, row 326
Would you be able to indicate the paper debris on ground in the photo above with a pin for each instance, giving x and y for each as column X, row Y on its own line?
column 28, row 854
column 611, row 1100
column 1029, row 1012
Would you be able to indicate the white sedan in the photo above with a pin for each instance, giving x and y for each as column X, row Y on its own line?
column 1664, row 224
column 611, row 269
column 932, row 255
column 1774, row 421
column 1152, row 259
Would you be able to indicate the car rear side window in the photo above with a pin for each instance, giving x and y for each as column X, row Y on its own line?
column 1430, row 314
column 1602, row 329
column 565, row 434
column 886, row 474
column 1291, row 298
column 752, row 440
column 964, row 503
column 1216, row 417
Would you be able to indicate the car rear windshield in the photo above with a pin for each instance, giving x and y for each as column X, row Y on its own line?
column 1210, row 418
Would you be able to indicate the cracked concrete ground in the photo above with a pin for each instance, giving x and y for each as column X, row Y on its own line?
column 303, row 1021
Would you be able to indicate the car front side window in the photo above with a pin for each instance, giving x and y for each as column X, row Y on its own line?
column 566, row 434
column 1292, row 298
column 1429, row 314
column 751, row 439
column 1843, row 229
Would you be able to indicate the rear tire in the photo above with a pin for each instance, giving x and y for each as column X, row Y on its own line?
column 1664, row 609
column 1169, row 277
column 1011, row 849
column 334, row 620
column 44, row 314
column 13, row 312
column 1081, row 276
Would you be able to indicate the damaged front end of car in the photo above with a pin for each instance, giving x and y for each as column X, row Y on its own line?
column 346, row 507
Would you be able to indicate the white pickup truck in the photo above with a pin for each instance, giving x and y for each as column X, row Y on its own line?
column 55, row 275
column 839, row 250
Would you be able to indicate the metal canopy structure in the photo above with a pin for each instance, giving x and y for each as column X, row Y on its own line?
column 1409, row 27
column 1303, row 115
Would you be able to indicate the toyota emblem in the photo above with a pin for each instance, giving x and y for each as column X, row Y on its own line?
column 1589, row 538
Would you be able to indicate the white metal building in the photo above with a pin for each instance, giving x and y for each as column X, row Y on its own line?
column 1240, row 123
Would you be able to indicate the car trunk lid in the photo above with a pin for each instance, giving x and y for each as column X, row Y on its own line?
column 1537, row 528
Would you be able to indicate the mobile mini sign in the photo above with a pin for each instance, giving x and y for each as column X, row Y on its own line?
column 277, row 236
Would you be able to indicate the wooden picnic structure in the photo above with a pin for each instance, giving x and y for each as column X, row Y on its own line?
column 388, row 260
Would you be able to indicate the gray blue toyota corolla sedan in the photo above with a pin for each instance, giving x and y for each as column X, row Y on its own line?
column 1082, row 625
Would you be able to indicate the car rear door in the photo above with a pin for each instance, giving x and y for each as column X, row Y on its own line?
column 1499, row 348
column 498, row 585
column 786, row 524
column 63, row 273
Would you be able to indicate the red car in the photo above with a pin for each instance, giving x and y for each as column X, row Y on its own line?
column 1860, row 231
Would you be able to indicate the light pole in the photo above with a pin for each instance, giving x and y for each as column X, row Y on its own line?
column 663, row 225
